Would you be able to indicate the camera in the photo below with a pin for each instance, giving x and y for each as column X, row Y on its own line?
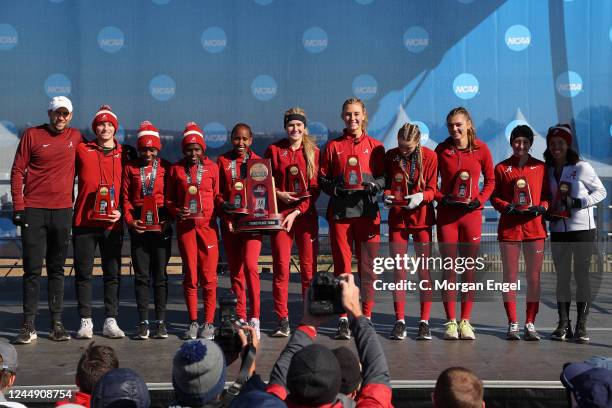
column 325, row 294
column 227, row 334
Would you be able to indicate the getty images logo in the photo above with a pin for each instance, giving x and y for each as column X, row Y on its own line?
column 315, row 40
column 111, row 39
column 319, row 132
column 264, row 87
column 8, row 37
column 365, row 86
column 214, row 40
column 162, row 88
column 569, row 84
column 518, row 37
column 465, row 86
column 215, row 135
column 57, row 85
column 416, row 39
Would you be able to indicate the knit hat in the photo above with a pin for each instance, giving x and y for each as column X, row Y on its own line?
column 314, row 376
column 105, row 114
column 198, row 372
column 522, row 131
column 561, row 130
column 121, row 385
column 350, row 370
column 193, row 134
column 60, row 102
column 9, row 357
column 591, row 387
column 148, row 136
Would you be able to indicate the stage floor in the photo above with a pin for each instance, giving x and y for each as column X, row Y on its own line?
column 412, row 363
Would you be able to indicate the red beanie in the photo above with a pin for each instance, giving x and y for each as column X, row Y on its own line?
column 561, row 130
column 105, row 114
column 148, row 136
column 193, row 134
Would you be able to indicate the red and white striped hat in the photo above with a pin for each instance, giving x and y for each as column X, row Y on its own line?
column 193, row 134
column 148, row 136
column 562, row 130
column 105, row 114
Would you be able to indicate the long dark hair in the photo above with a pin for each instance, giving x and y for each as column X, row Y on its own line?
column 572, row 157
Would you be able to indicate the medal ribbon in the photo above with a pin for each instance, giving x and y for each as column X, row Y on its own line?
column 148, row 190
column 242, row 168
column 198, row 174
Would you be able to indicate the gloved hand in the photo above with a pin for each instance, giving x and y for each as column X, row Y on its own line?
column 387, row 200
column 511, row 210
column 415, row 200
column 536, row 210
column 228, row 207
column 448, row 200
column 19, row 218
column 340, row 191
column 370, row 188
column 574, row 202
column 473, row 205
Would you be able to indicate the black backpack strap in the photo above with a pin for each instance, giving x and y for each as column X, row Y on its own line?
column 243, row 376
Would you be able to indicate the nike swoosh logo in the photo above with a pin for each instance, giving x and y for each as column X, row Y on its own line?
column 539, row 251
column 475, row 238
column 90, row 150
column 210, row 246
column 339, row 152
column 313, row 240
column 532, row 167
column 370, row 236
column 45, row 145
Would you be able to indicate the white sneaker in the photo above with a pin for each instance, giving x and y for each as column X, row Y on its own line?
column 86, row 329
column 111, row 329
column 255, row 324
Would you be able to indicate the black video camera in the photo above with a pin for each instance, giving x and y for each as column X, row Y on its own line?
column 227, row 334
column 325, row 294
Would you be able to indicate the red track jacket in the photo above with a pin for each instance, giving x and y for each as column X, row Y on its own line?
column 131, row 186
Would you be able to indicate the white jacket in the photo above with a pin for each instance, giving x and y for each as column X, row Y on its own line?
column 585, row 185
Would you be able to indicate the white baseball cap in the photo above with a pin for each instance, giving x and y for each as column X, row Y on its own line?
column 60, row 102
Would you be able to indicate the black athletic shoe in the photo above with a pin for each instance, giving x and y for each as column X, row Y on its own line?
column 26, row 334
column 142, row 333
column 399, row 331
column 343, row 332
column 161, row 332
column 58, row 333
column 513, row 332
column 424, row 332
column 283, row 329
column 581, row 335
column 530, row 333
column 563, row 331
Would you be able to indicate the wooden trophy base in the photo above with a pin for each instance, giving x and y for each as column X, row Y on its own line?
column 271, row 222
column 237, row 211
column 152, row 228
column 100, row 217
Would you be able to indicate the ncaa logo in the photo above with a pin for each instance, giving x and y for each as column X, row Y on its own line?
column 120, row 134
column 315, row 40
column 264, row 87
column 568, row 84
column 423, row 129
column 162, row 88
column 466, row 86
column 319, row 132
column 610, row 130
column 214, row 40
column 510, row 127
column 111, row 39
column 518, row 37
column 365, row 87
column 263, row 2
column 416, row 39
column 215, row 135
column 8, row 37
column 57, row 85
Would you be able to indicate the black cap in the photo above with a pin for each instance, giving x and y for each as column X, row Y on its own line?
column 121, row 387
column 314, row 376
column 522, row 131
column 350, row 370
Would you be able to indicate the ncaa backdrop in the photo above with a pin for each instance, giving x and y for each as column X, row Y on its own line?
column 220, row 62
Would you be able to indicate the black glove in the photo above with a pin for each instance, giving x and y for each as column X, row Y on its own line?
column 551, row 218
column 369, row 188
column 228, row 207
column 448, row 200
column 574, row 202
column 511, row 210
column 474, row 204
column 536, row 210
column 340, row 191
column 19, row 218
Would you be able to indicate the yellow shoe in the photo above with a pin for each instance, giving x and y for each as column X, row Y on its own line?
column 451, row 330
column 466, row 331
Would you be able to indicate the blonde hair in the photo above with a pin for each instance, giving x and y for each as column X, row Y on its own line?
column 471, row 132
column 308, row 143
column 411, row 133
column 357, row 101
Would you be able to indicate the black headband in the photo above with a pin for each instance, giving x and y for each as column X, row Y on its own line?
column 295, row 116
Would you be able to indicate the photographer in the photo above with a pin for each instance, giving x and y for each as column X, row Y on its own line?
column 309, row 374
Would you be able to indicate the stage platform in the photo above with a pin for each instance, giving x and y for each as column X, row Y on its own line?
column 512, row 371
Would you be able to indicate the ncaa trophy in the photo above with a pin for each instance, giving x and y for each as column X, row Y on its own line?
column 559, row 207
column 237, row 198
column 462, row 191
column 104, row 204
column 399, row 188
column 522, row 194
column 296, row 183
column 149, row 214
column 352, row 174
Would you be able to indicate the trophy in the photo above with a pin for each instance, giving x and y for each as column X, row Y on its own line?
column 237, row 198
column 399, row 189
column 352, row 174
column 193, row 201
column 296, row 183
column 522, row 194
column 559, row 207
column 149, row 215
column 261, row 199
column 104, row 205
column 462, row 191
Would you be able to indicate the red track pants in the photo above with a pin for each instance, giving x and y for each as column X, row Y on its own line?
column 422, row 247
column 305, row 231
column 199, row 248
column 458, row 225
column 364, row 234
column 242, row 251
column 533, row 251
